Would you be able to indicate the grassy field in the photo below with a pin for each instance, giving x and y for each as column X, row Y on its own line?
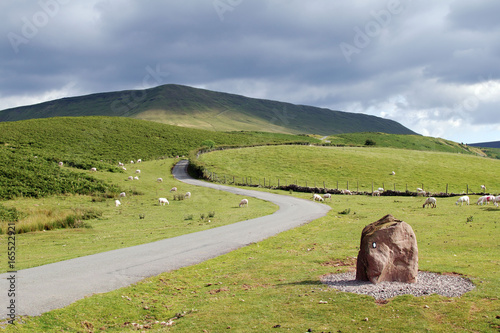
column 358, row 167
column 118, row 227
column 273, row 286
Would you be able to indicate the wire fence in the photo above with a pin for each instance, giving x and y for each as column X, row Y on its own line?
column 345, row 186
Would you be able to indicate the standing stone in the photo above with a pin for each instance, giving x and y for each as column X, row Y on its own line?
column 388, row 252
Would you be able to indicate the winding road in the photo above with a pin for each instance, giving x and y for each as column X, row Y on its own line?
column 44, row 288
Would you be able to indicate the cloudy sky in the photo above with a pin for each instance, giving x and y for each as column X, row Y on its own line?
column 433, row 66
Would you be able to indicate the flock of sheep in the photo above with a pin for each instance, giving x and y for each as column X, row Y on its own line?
column 430, row 201
column 161, row 201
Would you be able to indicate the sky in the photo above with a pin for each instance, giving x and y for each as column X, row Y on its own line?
column 433, row 66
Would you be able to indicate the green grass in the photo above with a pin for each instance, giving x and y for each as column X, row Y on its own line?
column 276, row 282
column 357, row 167
column 122, row 226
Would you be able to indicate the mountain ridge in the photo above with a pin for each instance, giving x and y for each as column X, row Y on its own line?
column 205, row 109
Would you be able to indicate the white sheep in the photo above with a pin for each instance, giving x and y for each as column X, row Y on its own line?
column 317, row 197
column 131, row 162
column 393, row 173
column 137, row 171
column 93, row 169
column 483, row 187
column 346, row 192
column 120, row 164
column 462, row 200
column 130, row 178
column 497, row 200
column 430, row 201
column 124, row 168
column 485, row 199
column 173, row 189
column 187, row 195
column 244, row 202
column 123, row 194
column 380, row 189
column 136, row 178
column 376, row 193
column 159, row 180
column 117, row 203
column 61, row 163
column 327, row 196
column 139, row 161
column 163, row 201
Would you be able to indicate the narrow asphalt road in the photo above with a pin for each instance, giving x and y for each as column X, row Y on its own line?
column 44, row 288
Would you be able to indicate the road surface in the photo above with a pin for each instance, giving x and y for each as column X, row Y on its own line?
column 44, row 288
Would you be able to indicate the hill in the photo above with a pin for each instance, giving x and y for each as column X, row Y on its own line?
column 204, row 109
column 30, row 150
column 492, row 144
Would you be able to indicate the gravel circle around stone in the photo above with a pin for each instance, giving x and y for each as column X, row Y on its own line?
column 427, row 283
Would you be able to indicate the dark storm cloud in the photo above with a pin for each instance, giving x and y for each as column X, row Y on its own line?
column 433, row 66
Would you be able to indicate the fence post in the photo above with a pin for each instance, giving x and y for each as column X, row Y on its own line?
column 394, row 187
column 467, row 188
column 347, row 185
column 446, row 188
column 337, row 184
column 357, row 186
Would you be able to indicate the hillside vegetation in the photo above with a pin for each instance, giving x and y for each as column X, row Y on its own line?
column 30, row 150
column 204, row 109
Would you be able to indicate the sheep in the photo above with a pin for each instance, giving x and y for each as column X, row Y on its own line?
column 421, row 192
column 430, row 201
column 93, row 169
column 117, row 203
column 130, row 178
column 124, row 168
column 244, row 202
column 317, row 197
column 139, row 161
column 61, row 163
column 163, row 201
column 483, row 188
column 327, row 196
column 497, row 200
column 380, row 189
column 393, row 173
column 120, row 164
column 173, row 189
column 159, row 180
column 376, row 193
column 131, row 162
column 187, row 195
column 462, row 199
column 485, row 199
column 136, row 178
column 137, row 171
column 123, row 194
column 346, row 192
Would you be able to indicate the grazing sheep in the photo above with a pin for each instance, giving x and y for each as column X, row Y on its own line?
column 137, row 171
column 376, row 193
column 483, row 188
column 317, row 197
column 124, row 168
column 393, row 173
column 420, row 192
column 244, row 202
column 120, row 164
column 327, row 196
column 346, row 192
column 93, row 169
column 117, row 203
column 430, row 201
column 462, row 199
column 163, row 201
column 136, row 178
column 187, row 195
column 485, row 199
column 123, row 194
column 173, row 189
column 139, row 161
column 61, row 163
column 130, row 178
column 159, row 180
column 380, row 189
column 497, row 200
column 131, row 162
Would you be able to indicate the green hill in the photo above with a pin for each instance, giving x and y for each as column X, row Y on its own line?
column 204, row 109
column 30, row 150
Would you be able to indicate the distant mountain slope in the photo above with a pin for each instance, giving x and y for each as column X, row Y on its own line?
column 492, row 144
column 205, row 109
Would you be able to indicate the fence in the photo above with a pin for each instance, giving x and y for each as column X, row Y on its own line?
column 394, row 189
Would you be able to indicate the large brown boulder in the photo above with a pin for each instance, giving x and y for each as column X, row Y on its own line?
column 388, row 252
